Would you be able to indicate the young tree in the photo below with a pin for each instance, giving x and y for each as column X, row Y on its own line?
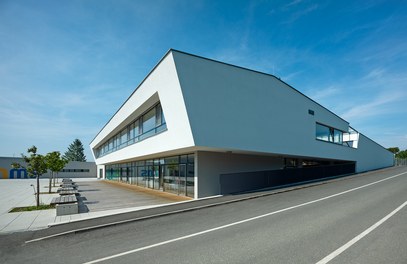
column 75, row 151
column 402, row 154
column 55, row 163
column 36, row 166
column 61, row 164
column 394, row 150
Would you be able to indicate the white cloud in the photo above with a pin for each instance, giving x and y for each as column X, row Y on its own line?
column 375, row 74
column 293, row 3
column 303, row 12
column 320, row 94
column 381, row 104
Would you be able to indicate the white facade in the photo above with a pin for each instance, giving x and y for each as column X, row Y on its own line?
column 233, row 120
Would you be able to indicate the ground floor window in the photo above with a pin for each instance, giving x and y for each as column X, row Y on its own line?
column 173, row 174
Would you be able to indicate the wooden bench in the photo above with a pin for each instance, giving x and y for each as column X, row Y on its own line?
column 65, row 205
column 64, row 199
column 67, row 191
column 69, row 185
column 67, row 181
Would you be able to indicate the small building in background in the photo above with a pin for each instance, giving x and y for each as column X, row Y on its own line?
column 74, row 169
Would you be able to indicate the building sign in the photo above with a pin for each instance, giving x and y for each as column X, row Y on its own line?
column 13, row 173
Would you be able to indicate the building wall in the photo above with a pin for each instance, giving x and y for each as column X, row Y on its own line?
column 160, row 85
column 251, row 111
column 211, row 164
column 371, row 156
column 6, row 172
column 77, row 165
column 210, row 105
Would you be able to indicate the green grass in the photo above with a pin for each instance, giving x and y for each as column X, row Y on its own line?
column 32, row 208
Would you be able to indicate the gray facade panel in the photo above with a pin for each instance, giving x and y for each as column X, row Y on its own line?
column 212, row 164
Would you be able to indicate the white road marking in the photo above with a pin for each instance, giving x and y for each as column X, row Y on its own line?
column 238, row 222
column 359, row 237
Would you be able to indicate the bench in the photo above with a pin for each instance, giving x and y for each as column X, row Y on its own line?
column 65, row 205
column 64, row 199
column 67, row 181
column 69, row 185
column 67, row 191
column 69, row 188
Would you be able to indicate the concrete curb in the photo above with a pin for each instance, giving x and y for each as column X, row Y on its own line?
column 269, row 192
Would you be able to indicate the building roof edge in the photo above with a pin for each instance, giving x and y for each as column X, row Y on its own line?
column 144, row 79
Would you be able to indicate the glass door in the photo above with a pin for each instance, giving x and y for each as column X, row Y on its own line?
column 150, row 177
column 182, row 179
column 156, row 174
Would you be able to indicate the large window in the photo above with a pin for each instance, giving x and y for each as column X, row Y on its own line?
column 174, row 174
column 123, row 137
column 329, row 134
column 148, row 124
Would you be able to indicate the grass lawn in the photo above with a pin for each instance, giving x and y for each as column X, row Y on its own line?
column 31, row 208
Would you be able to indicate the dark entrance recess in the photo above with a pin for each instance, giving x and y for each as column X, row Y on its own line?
column 247, row 181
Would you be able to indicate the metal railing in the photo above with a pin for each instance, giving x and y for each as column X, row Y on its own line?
column 245, row 181
column 400, row 162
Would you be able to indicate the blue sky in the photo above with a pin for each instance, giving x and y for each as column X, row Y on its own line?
column 67, row 66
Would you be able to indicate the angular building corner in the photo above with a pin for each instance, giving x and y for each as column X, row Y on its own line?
column 197, row 127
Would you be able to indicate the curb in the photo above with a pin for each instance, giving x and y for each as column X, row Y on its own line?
column 269, row 192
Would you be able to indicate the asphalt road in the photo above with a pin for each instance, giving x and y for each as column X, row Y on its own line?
column 360, row 219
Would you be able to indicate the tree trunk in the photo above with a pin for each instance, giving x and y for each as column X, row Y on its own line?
column 53, row 176
column 50, row 181
column 38, row 190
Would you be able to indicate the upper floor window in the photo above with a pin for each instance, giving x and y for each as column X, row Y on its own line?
column 148, row 124
column 330, row 134
column 149, row 121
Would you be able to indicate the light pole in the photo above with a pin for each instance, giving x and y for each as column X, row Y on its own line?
column 38, row 187
column 33, row 188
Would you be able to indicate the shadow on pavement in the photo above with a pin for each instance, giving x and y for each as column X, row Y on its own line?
column 82, row 208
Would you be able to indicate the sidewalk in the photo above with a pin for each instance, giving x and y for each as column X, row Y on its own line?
column 100, row 198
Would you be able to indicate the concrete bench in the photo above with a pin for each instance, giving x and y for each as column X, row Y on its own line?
column 67, row 181
column 69, row 188
column 68, row 191
column 64, row 199
column 66, row 205
column 69, row 185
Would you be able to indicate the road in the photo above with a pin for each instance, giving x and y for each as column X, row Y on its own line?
column 359, row 219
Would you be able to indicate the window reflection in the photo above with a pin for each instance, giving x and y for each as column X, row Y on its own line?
column 326, row 133
column 150, row 123
column 174, row 174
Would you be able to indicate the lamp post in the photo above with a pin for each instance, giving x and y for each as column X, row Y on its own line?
column 38, row 188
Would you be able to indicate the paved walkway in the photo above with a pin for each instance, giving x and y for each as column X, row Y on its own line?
column 100, row 198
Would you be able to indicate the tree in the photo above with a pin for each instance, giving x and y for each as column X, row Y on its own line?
column 75, row 151
column 55, row 163
column 394, row 150
column 36, row 166
column 402, row 154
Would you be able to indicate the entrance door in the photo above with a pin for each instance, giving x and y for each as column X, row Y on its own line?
column 182, row 179
column 150, row 177
column 157, row 177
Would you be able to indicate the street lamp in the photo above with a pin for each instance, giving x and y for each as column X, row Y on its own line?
column 33, row 188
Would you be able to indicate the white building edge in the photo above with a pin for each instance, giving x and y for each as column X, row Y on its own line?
column 193, row 119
